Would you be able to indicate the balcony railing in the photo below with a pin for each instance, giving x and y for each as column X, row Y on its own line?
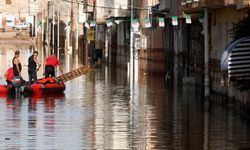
column 189, row 4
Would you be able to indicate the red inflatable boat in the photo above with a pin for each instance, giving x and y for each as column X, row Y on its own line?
column 42, row 86
column 4, row 89
column 47, row 85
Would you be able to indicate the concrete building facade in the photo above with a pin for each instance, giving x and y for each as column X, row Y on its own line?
column 221, row 18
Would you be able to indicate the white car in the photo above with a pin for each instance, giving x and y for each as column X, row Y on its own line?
column 23, row 26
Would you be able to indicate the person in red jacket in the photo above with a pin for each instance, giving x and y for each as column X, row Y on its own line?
column 9, row 74
column 50, row 63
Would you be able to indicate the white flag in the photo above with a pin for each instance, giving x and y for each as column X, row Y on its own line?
column 92, row 24
column 161, row 22
column 135, row 25
column 118, row 21
column 87, row 25
column 109, row 23
column 147, row 23
column 188, row 19
column 174, row 21
column 66, row 27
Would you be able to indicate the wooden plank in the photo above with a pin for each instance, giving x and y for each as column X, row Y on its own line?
column 75, row 73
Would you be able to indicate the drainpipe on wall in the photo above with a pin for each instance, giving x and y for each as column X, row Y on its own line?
column 206, row 67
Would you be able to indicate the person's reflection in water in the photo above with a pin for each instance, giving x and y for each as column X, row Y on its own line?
column 50, row 119
column 32, row 122
column 49, row 103
column 32, row 107
column 14, row 102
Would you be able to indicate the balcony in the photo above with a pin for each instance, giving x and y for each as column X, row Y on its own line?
column 243, row 4
column 88, row 6
column 196, row 5
column 164, row 5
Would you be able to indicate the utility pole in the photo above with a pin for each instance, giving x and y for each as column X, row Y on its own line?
column 73, row 24
column 205, row 28
column 58, row 30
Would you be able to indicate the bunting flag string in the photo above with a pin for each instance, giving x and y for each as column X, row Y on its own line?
column 147, row 23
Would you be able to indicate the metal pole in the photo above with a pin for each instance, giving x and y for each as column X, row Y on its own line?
column 42, row 26
column 53, row 29
column 68, row 33
column 207, row 89
column 77, row 27
column 58, row 30
column 47, row 31
column 86, row 41
column 131, row 40
column 36, row 26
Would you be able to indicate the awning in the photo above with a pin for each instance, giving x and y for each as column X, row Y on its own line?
column 236, row 58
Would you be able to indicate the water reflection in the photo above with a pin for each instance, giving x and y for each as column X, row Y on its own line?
column 104, row 110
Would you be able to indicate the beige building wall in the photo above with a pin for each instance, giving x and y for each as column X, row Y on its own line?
column 100, row 12
column 22, row 8
column 14, row 7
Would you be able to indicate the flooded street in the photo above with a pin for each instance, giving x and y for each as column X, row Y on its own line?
column 104, row 110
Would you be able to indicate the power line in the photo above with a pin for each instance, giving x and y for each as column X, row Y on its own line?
column 120, row 8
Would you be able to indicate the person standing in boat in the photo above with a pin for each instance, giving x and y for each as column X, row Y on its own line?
column 50, row 63
column 17, row 67
column 32, row 67
column 9, row 75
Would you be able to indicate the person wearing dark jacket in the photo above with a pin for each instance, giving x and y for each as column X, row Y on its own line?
column 32, row 67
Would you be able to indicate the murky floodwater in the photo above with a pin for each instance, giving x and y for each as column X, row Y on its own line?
column 104, row 110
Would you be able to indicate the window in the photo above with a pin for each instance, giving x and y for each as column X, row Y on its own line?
column 8, row 2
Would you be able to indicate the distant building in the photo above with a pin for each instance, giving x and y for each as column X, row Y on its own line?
column 11, row 11
column 113, row 28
